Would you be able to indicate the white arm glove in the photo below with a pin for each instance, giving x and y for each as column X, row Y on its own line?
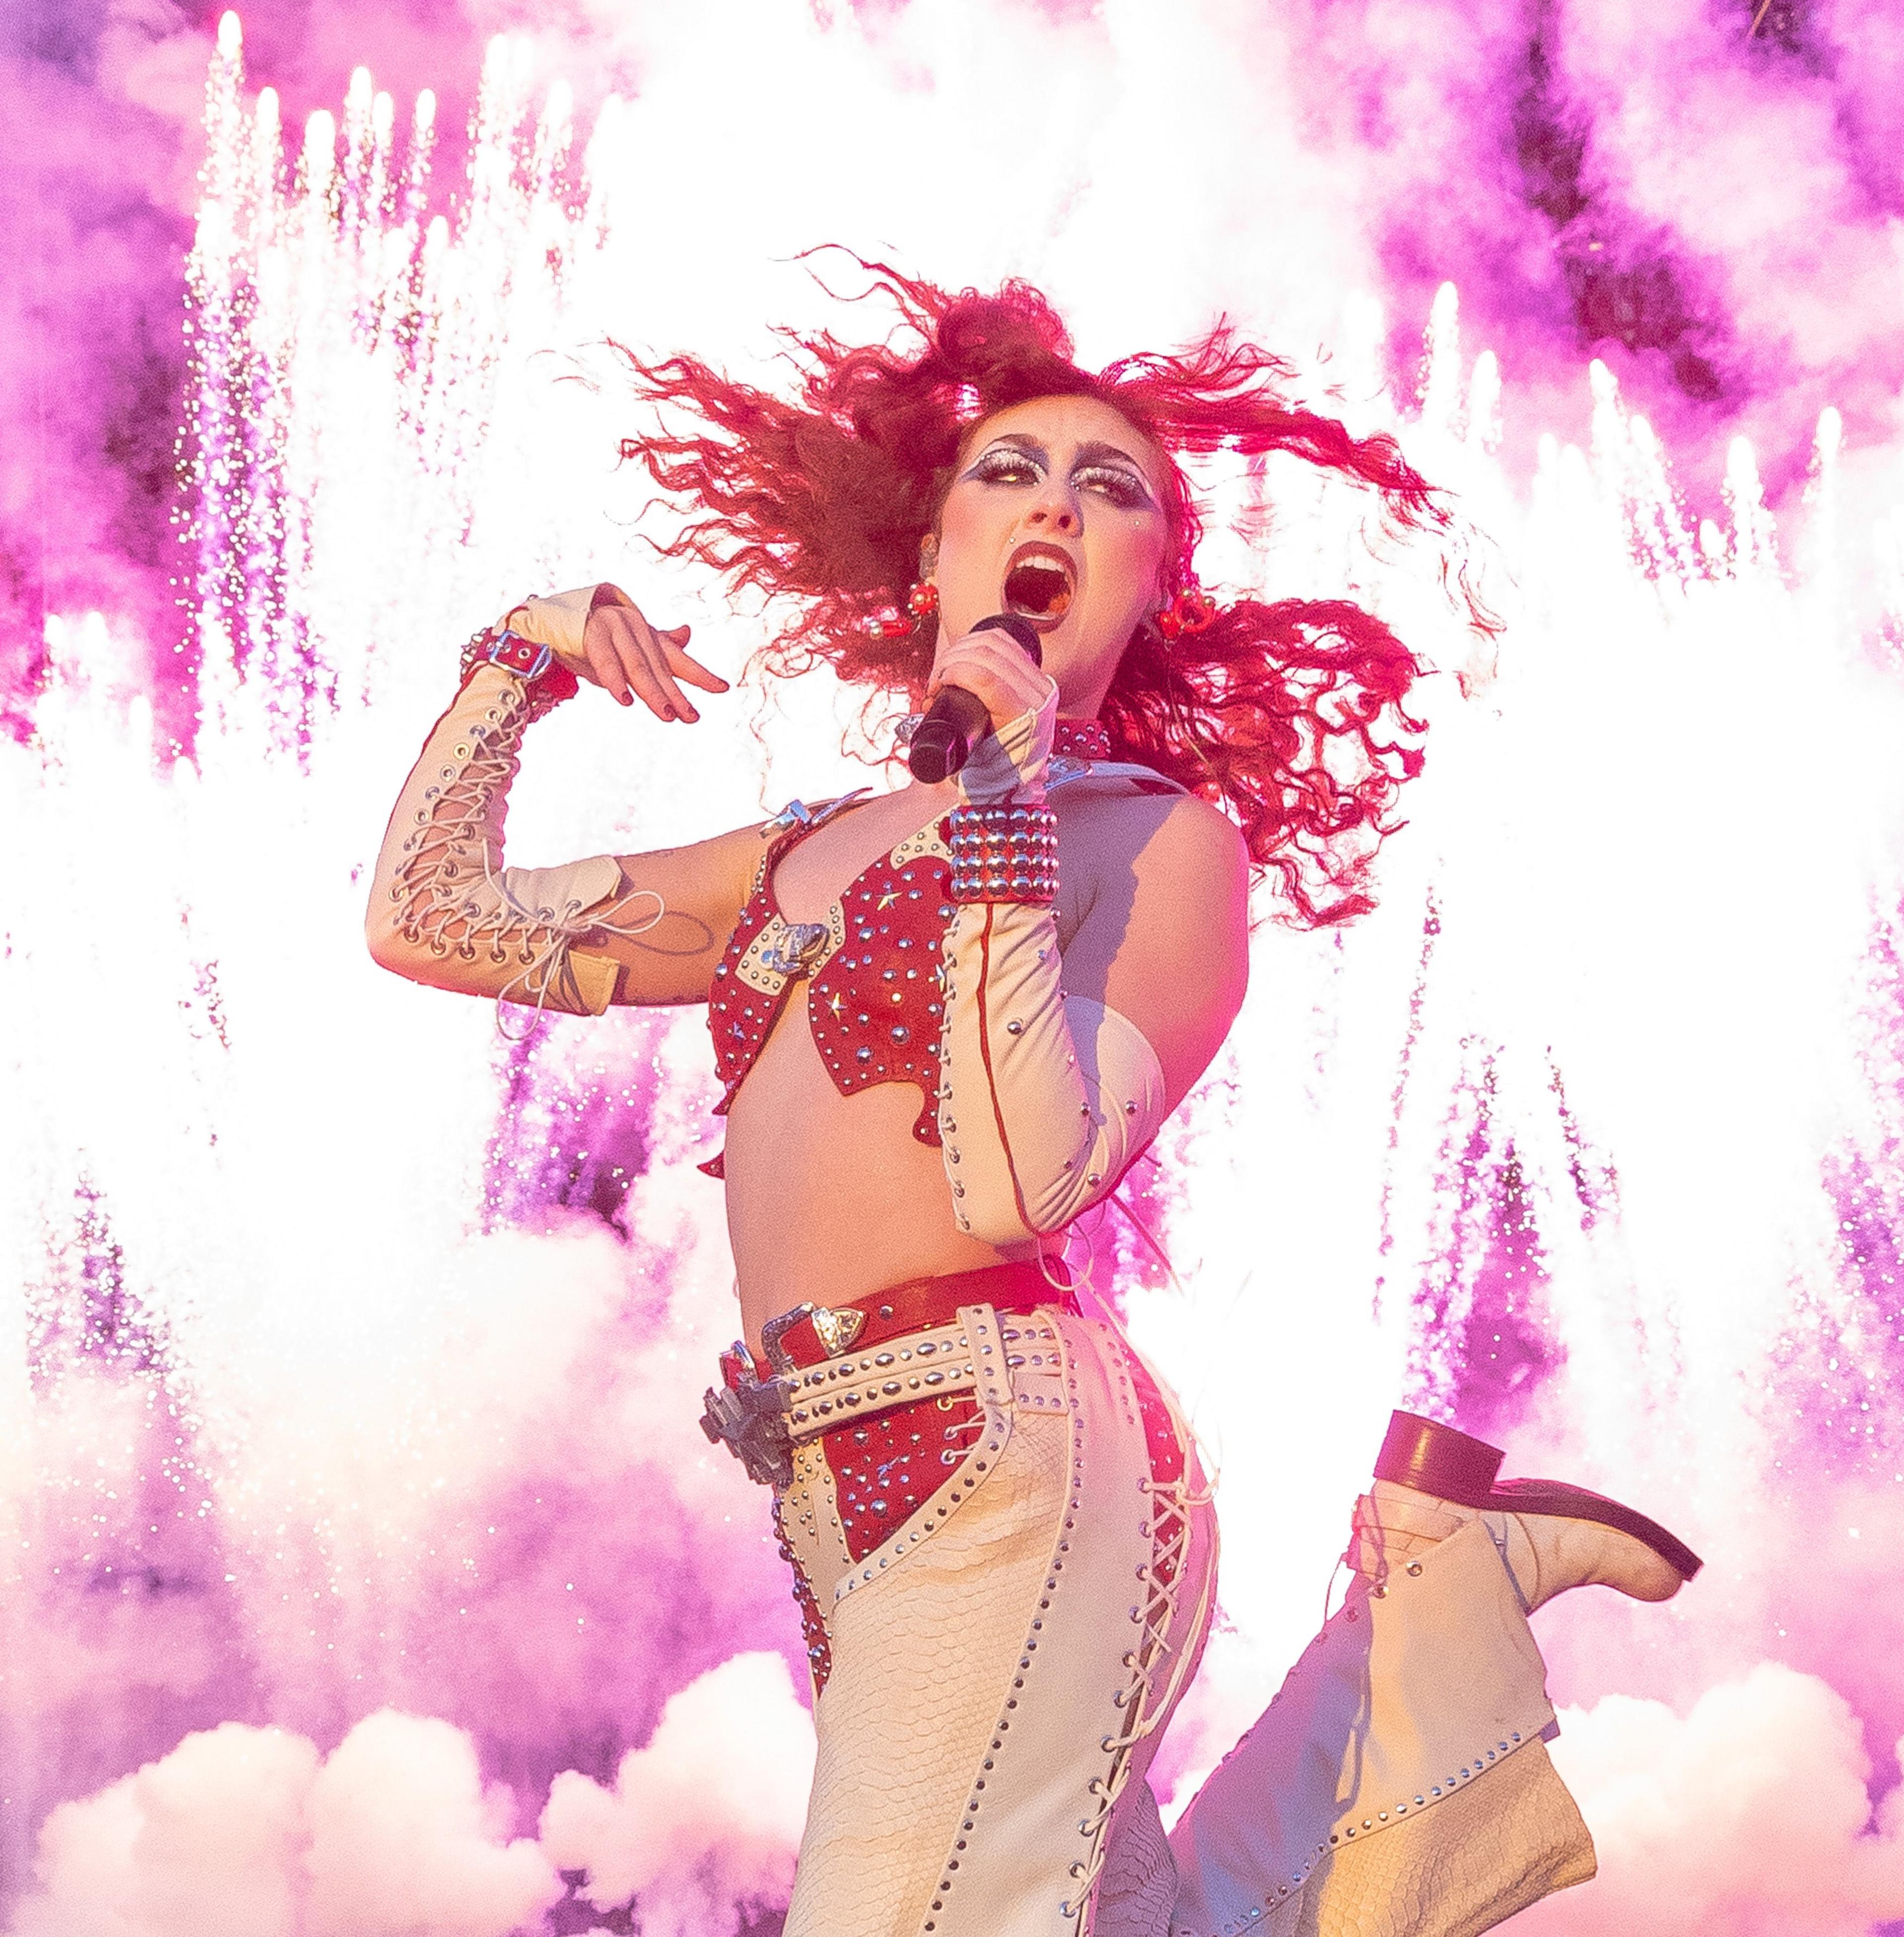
column 1045, row 1101
column 440, row 881
column 559, row 620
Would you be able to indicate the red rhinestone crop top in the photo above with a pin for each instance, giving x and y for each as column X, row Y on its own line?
column 871, row 966
column 873, row 998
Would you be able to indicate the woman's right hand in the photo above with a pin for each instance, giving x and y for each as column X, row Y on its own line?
column 629, row 658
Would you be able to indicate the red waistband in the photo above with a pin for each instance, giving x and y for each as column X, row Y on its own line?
column 913, row 1306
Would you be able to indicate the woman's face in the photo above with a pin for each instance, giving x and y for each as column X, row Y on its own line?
column 1056, row 513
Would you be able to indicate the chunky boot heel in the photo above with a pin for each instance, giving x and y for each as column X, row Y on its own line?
column 1436, row 1460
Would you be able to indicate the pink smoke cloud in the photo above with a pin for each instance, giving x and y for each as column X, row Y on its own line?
column 245, row 1832
column 90, row 356
column 1747, row 1817
column 701, row 1825
column 1713, row 210
column 1731, row 160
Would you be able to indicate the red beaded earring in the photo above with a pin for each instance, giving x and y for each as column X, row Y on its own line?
column 922, row 602
column 1189, row 611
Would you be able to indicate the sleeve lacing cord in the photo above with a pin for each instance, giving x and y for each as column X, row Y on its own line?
column 1077, row 1277
column 430, row 895
column 550, row 971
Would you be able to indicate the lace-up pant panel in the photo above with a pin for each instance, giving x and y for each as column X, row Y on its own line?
column 998, row 1684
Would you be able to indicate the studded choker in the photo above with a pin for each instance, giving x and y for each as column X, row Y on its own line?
column 1081, row 740
column 1074, row 739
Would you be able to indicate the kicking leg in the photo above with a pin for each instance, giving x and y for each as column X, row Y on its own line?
column 1399, row 1782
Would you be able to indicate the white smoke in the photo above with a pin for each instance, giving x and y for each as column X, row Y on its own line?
column 1749, row 1816
column 247, row 1832
column 702, row 1824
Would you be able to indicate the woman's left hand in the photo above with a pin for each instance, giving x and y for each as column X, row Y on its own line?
column 991, row 667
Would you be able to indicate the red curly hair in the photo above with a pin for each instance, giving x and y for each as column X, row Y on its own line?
column 1291, row 716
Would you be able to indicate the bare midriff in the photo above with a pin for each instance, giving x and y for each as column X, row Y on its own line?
column 831, row 1198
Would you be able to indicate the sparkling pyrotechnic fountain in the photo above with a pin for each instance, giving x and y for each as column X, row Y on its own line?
column 351, row 1490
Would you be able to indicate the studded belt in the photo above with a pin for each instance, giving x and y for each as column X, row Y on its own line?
column 910, row 1346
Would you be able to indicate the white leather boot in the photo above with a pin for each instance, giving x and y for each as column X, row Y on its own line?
column 1398, row 1784
column 1431, row 1480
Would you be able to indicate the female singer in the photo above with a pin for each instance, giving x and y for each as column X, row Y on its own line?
column 947, row 1018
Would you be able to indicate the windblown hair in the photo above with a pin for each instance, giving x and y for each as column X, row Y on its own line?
column 1290, row 716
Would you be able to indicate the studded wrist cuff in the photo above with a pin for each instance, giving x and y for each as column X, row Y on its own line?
column 1004, row 853
column 545, row 679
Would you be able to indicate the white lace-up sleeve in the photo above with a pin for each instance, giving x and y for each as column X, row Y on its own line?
column 444, row 907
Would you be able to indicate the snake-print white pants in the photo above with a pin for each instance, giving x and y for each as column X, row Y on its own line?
column 1002, row 1666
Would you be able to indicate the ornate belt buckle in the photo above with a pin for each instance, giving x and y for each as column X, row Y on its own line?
column 747, row 1413
column 836, row 1329
column 750, row 1418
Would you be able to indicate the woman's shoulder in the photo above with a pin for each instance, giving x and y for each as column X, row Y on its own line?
column 1154, row 829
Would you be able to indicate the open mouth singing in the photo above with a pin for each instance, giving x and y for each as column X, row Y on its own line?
column 1039, row 585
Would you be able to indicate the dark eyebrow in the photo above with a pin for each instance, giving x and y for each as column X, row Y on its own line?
column 1095, row 454
column 1019, row 440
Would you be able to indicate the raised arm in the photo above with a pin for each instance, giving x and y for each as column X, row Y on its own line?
column 445, row 909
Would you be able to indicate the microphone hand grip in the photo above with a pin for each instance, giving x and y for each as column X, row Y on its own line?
column 957, row 721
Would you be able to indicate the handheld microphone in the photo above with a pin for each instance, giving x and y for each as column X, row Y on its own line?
column 956, row 720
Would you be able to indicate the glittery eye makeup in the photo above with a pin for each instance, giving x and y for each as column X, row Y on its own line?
column 1124, row 489
column 1102, row 468
column 1006, row 464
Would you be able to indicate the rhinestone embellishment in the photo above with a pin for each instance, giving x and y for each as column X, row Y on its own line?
column 871, row 968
